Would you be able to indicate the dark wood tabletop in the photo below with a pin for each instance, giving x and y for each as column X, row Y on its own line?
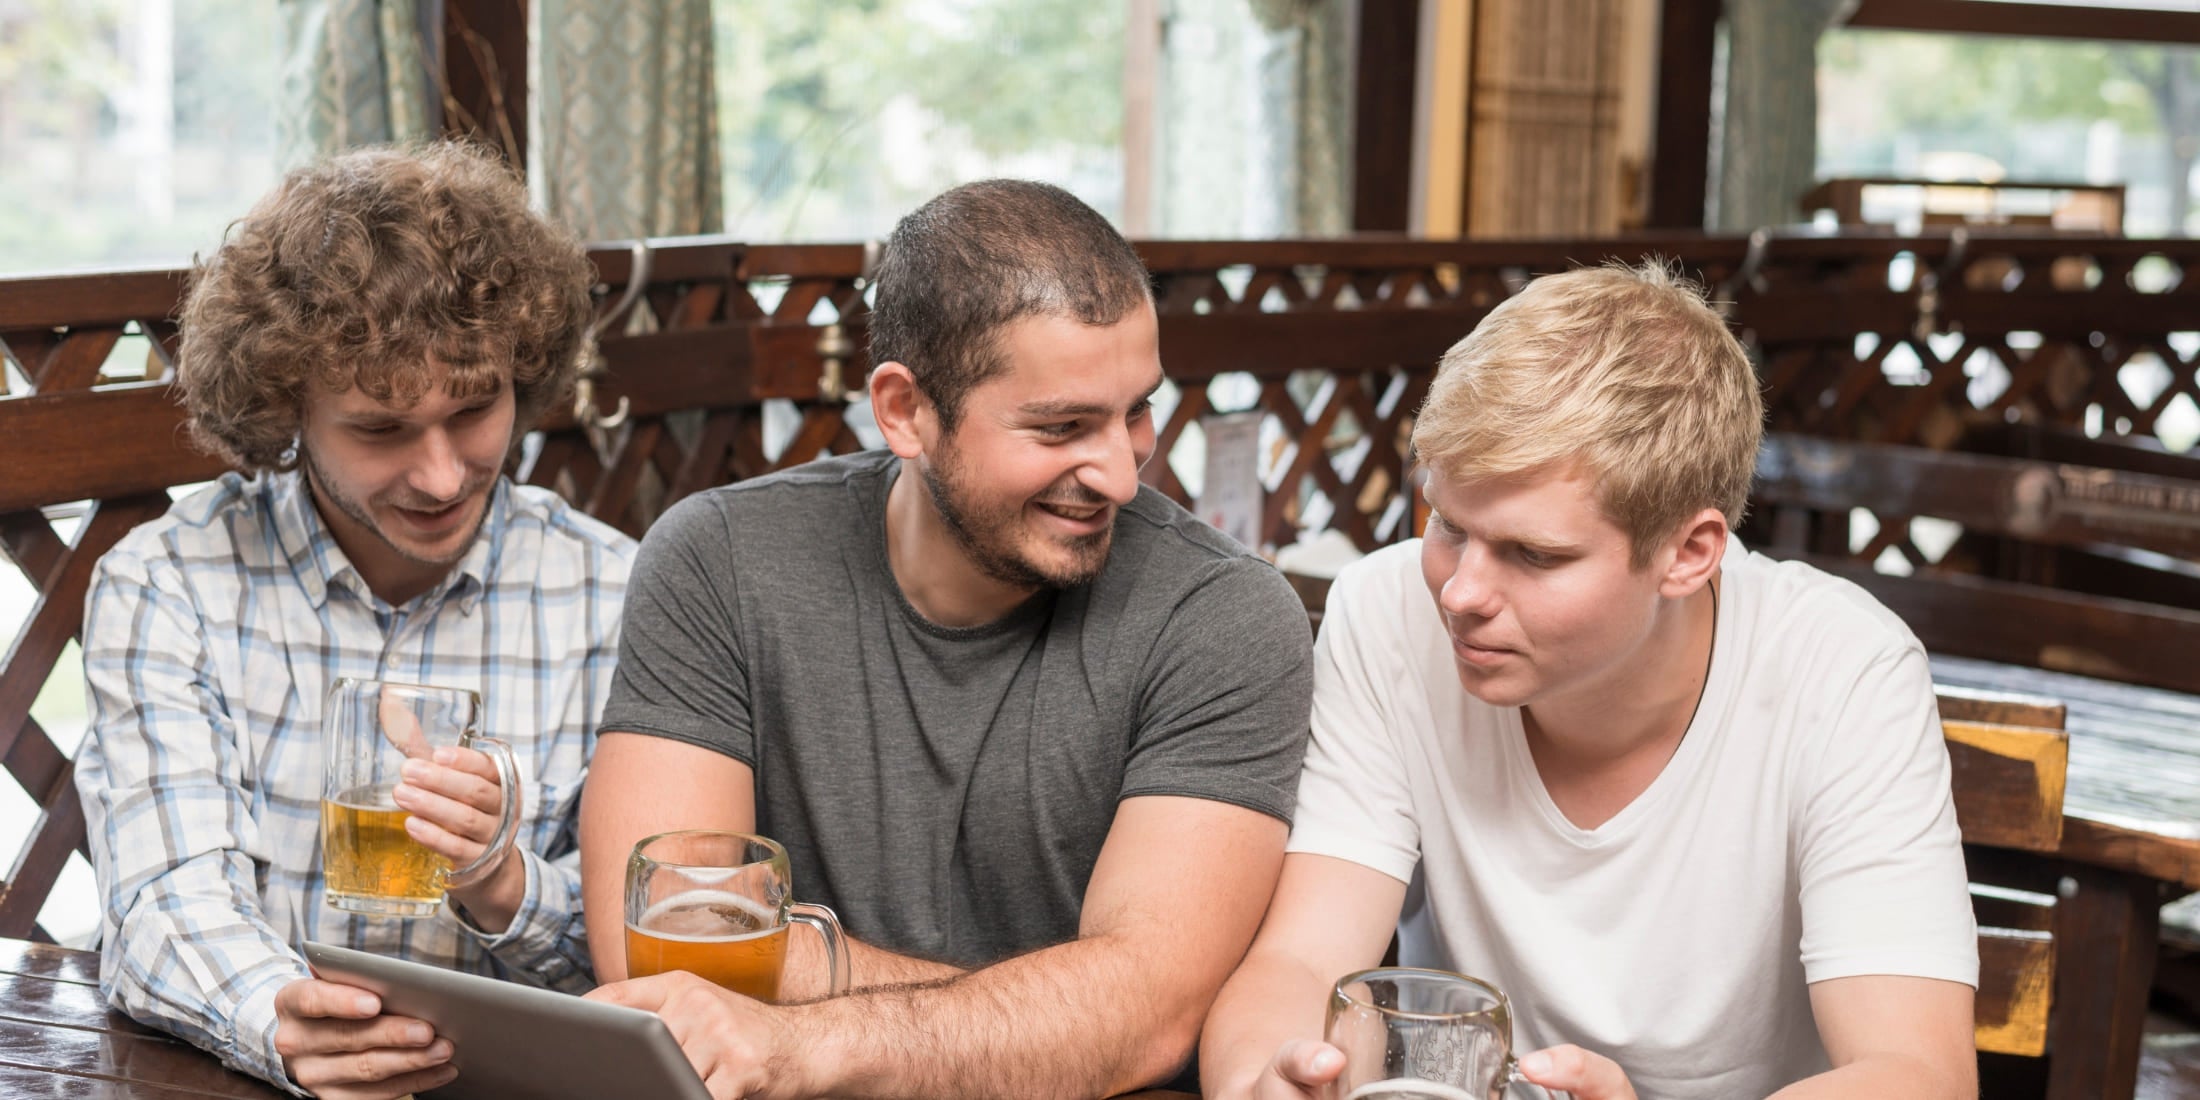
column 58, row 1038
column 59, row 1041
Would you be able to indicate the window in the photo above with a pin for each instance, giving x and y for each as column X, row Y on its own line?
column 835, row 119
column 1988, row 108
column 133, row 130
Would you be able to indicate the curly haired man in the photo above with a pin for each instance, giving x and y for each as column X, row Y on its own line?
column 368, row 346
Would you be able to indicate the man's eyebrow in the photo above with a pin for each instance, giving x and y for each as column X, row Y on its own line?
column 1061, row 408
column 1043, row 409
column 1538, row 543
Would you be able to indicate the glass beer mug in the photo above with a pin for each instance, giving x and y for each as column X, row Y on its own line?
column 1410, row 1034
column 369, row 729
column 715, row 904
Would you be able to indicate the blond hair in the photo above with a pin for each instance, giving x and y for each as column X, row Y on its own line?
column 1624, row 372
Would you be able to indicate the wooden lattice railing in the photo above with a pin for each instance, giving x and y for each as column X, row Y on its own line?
column 734, row 360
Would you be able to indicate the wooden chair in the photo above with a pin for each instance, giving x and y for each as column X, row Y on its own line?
column 2009, row 758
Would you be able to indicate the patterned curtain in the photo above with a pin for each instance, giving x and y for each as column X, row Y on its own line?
column 357, row 72
column 1256, row 134
column 622, row 117
column 1768, row 141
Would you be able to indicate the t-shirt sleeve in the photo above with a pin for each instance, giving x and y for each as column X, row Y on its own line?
column 1354, row 800
column 1878, row 853
column 1222, row 714
column 681, row 671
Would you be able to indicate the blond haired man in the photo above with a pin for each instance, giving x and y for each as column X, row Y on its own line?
column 1687, row 805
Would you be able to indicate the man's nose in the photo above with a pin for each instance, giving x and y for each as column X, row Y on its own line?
column 439, row 471
column 1469, row 591
column 1111, row 470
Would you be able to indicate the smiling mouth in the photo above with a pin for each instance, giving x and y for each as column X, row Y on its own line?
column 1073, row 513
column 432, row 518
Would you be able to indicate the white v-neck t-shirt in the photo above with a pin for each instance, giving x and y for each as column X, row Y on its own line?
column 1804, row 829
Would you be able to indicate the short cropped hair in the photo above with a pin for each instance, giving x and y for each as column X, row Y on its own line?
column 358, row 271
column 1625, row 372
column 963, row 266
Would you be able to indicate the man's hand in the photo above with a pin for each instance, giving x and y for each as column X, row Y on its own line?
column 738, row 1046
column 335, row 1043
column 1574, row 1070
column 1299, row 1071
column 455, row 798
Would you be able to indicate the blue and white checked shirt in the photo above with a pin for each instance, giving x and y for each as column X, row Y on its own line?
column 210, row 640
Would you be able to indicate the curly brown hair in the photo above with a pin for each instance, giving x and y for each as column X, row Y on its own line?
column 373, row 269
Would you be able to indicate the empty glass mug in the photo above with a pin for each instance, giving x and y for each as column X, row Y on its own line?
column 716, row 904
column 1411, row 1034
column 369, row 729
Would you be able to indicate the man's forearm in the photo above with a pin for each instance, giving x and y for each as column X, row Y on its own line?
column 1887, row 1077
column 1087, row 1018
column 1271, row 1000
column 869, row 967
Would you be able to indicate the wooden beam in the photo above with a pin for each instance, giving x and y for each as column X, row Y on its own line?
column 2149, row 25
column 1680, row 155
column 1382, row 136
column 1141, row 108
column 485, row 74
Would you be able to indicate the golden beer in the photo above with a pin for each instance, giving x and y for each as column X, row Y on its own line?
column 722, row 938
column 372, row 865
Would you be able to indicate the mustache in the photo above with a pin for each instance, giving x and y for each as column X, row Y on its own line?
column 411, row 503
column 1078, row 497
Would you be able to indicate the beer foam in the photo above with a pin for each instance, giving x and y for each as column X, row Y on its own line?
column 698, row 915
column 370, row 797
column 1409, row 1088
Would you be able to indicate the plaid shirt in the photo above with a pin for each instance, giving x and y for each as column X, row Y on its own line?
column 211, row 637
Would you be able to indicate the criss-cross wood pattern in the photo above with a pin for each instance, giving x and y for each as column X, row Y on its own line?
column 1959, row 342
column 723, row 359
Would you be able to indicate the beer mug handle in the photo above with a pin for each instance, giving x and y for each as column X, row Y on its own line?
column 827, row 924
column 507, row 814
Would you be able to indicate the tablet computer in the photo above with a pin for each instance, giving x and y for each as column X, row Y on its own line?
column 512, row 1040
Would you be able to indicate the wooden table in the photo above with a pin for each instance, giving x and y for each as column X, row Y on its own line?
column 2130, row 842
column 58, row 1039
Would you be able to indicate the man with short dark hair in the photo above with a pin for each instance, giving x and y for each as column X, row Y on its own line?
column 1032, row 729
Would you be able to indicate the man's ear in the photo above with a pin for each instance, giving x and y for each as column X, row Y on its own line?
column 1697, row 548
column 905, row 415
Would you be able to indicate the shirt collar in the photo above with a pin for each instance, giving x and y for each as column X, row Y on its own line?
column 319, row 563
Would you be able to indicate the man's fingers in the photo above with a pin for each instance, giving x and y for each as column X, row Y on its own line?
column 648, row 994
column 369, row 1067
column 312, row 997
column 400, row 727
column 309, row 1036
column 433, row 1077
column 723, row 1085
column 459, row 850
column 1571, row 1069
column 450, row 784
column 473, row 762
column 1308, row 1062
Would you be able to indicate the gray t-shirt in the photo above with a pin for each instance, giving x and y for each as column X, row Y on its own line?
column 947, row 790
